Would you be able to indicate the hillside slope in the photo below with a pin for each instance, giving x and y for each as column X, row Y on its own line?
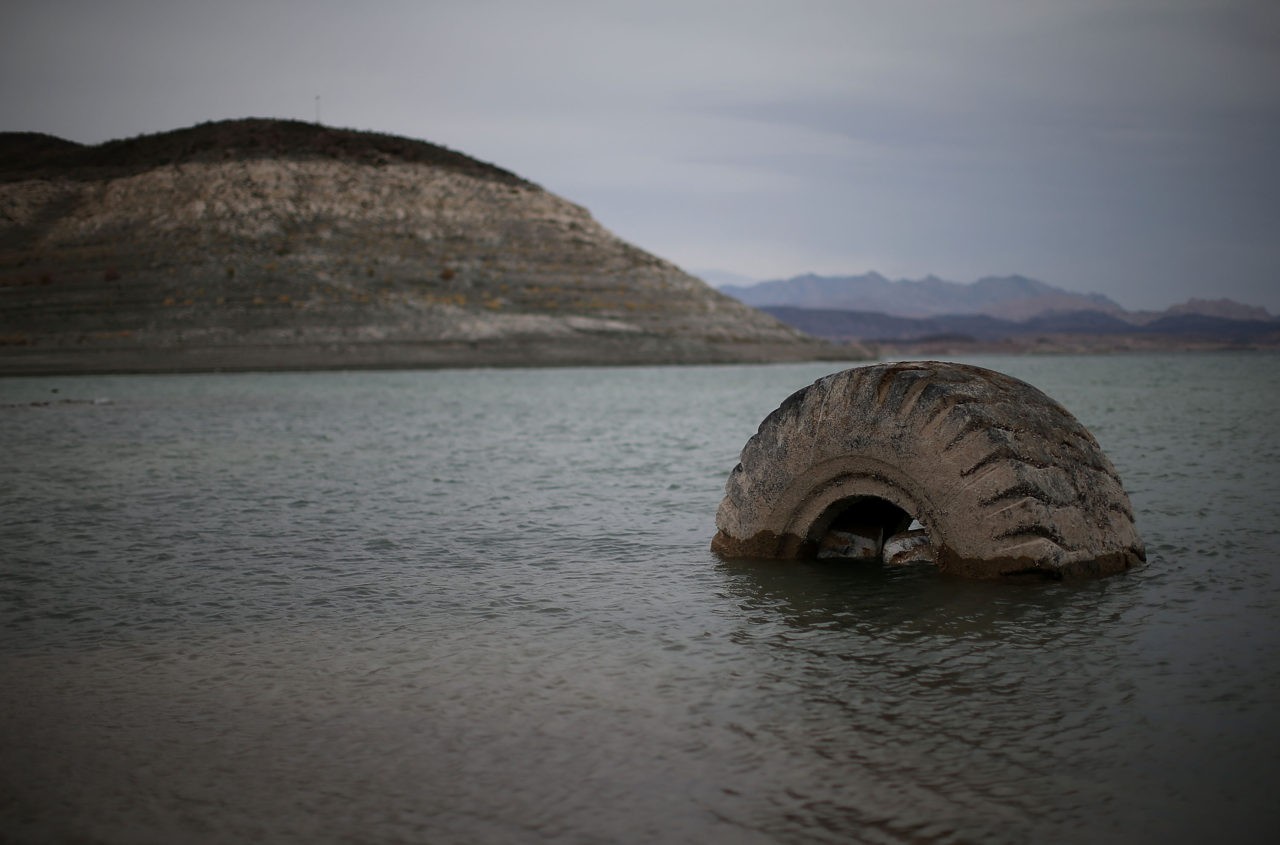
column 273, row 244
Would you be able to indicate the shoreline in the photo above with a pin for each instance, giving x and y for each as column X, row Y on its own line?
column 533, row 353
column 1064, row 345
column 540, row 353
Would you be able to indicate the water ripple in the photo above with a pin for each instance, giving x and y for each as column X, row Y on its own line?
column 478, row 606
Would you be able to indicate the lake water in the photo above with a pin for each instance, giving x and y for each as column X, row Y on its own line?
column 480, row 607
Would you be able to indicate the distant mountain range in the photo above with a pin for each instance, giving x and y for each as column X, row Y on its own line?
column 873, row 308
column 1008, row 297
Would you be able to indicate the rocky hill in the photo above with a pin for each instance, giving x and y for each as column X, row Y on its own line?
column 271, row 244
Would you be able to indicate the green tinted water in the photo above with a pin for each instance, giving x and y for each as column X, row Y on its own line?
column 479, row 606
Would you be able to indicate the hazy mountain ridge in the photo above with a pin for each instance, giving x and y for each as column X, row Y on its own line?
column 280, row 244
column 1011, row 298
column 1225, row 308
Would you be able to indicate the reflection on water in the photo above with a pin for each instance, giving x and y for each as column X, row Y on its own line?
column 480, row 607
column 955, row 693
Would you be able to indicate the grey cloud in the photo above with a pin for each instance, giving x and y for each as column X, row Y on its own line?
column 1124, row 146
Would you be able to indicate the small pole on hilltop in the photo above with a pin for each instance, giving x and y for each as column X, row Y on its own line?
column 317, row 109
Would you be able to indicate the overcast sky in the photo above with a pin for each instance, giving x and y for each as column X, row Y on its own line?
column 1128, row 147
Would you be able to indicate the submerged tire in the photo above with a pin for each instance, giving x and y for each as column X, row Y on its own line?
column 1004, row 480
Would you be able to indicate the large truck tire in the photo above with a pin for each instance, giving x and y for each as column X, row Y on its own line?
column 1005, row 482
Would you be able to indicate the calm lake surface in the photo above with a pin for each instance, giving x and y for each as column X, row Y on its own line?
column 479, row 606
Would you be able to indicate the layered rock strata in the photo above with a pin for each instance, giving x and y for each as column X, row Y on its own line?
column 265, row 244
